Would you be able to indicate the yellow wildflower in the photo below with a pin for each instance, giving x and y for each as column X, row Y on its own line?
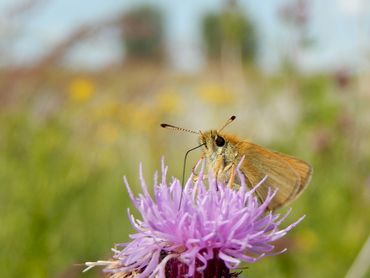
column 169, row 101
column 81, row 90
column 215, row 94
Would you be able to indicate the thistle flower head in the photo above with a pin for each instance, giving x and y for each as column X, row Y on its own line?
column 203, row 230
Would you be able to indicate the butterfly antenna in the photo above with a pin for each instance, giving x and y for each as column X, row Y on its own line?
column 229, row 121
column 178, row 128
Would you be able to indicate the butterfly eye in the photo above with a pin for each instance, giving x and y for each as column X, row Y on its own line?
column 219, row 141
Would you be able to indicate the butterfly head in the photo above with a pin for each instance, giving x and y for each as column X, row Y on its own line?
column 215, row 144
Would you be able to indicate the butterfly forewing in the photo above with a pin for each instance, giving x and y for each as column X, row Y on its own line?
column 287, row 175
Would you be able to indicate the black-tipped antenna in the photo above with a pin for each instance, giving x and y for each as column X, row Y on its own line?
column 229, row 121
column 178, row 128
column 184, row 168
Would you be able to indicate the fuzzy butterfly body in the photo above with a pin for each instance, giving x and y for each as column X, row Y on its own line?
column 288, row 175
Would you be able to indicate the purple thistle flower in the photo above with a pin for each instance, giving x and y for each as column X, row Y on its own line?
column 213, row 230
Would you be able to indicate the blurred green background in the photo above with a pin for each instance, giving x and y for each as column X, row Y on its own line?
column 84, row 87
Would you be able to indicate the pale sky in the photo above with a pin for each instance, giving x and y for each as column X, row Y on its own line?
column 341, row 29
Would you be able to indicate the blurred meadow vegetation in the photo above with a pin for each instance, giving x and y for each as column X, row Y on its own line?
column 68, row 136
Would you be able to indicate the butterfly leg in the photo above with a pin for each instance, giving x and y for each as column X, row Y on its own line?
column 195, row 175
column 230, row 184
